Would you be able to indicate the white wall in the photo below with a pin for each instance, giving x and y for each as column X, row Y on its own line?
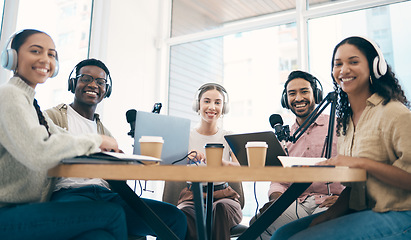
column 130, row 53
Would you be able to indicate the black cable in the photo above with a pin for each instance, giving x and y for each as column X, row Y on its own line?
column 190, row 161
column 256, row 209
column 296, row 207
column 256, row 200
column 141, row 188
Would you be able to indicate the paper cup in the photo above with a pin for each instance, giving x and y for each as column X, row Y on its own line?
column 256, row 153
column 214, row 154
column 151, row 146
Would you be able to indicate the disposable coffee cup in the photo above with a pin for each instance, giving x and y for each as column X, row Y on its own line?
column 214, row 154
column 256, row 153
column 151, row 146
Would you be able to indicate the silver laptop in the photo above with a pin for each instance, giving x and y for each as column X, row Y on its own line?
column 174, row 130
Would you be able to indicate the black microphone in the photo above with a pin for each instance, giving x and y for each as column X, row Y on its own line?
column 131, row 118
column 282, row 132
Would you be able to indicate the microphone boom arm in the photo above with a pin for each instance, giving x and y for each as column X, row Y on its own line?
column 331, row 98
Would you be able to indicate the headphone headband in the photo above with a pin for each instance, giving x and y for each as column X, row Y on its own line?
column 9, row 55
column 196, row 102
column 72, row 82
column 379, row 64
column 317, row 92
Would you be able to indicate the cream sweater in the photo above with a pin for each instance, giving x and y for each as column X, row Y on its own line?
column 26, row 150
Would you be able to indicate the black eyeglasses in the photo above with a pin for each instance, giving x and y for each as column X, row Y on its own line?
column 87, row 79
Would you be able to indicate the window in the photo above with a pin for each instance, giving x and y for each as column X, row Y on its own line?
column 254, row 63
column 70, row 32
column 385, row 28
column 1, row 11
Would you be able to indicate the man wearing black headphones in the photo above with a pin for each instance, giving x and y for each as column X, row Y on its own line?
column 301, row 92
column 90, row 85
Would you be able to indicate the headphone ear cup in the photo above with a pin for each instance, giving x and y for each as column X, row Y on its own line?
column 72, row 85
column 108, row 91
column 56, row 69
column 9, row 59
column 379, row 69
column 226, row 108
column 195, row 105
column 318, row 97
column 284, row 100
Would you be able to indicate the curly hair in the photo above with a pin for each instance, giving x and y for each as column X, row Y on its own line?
column 386, row 86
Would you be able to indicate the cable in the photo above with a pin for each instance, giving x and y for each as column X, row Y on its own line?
column 141, row 189
column 296, row 207
column 190, row 161
column 256, row 200
column 256, row 209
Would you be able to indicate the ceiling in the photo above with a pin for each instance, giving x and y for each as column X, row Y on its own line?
column 197, row 15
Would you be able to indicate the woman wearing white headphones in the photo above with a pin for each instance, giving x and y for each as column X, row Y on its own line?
column 373, row 129
column 30, row 144
column 211, row 103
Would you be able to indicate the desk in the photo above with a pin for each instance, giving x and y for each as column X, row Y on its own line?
column 302, row 177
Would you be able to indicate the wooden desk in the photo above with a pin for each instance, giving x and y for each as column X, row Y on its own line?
column 302, row 178
column 208, row 174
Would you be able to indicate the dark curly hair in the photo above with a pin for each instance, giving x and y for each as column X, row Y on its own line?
column 386, row 86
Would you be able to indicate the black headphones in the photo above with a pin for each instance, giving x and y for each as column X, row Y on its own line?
column 196, row 102
column 317, row 91
column 9, row 56
column 72, row 82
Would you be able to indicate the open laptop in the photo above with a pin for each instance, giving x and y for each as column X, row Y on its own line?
column 237, row 144
column 174, row 130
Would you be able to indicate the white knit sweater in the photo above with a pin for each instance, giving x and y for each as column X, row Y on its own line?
column 26, row 150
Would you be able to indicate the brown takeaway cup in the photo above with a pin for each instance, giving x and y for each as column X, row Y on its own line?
column 151, row 146
column 214, row 154
column 256, row 153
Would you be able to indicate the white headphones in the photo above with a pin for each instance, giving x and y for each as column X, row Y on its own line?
column 9, row 57
column 196, row 102
column 379, row 64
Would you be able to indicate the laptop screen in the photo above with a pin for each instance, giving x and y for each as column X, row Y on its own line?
column 174, row 130
column 237, row 143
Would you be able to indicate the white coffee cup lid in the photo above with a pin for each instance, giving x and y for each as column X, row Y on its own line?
column 256, row 144
column 151, row 139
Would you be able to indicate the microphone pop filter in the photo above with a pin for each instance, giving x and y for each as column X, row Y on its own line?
column 276, row 119
column 131, row 115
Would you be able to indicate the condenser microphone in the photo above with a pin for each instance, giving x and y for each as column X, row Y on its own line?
column 282, row 132
column 131, row 118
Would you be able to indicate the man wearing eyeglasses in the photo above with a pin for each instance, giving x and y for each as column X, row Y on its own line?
column 90, row 86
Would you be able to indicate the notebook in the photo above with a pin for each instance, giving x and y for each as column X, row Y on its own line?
column 112, row 158
column 174, row 130
column 237, row 144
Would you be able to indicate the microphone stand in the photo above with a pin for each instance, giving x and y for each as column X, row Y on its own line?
column 331, row 98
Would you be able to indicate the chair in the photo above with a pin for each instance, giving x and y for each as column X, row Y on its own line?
column 172, row 192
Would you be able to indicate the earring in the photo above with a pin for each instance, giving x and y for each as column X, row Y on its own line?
column 370, row 80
